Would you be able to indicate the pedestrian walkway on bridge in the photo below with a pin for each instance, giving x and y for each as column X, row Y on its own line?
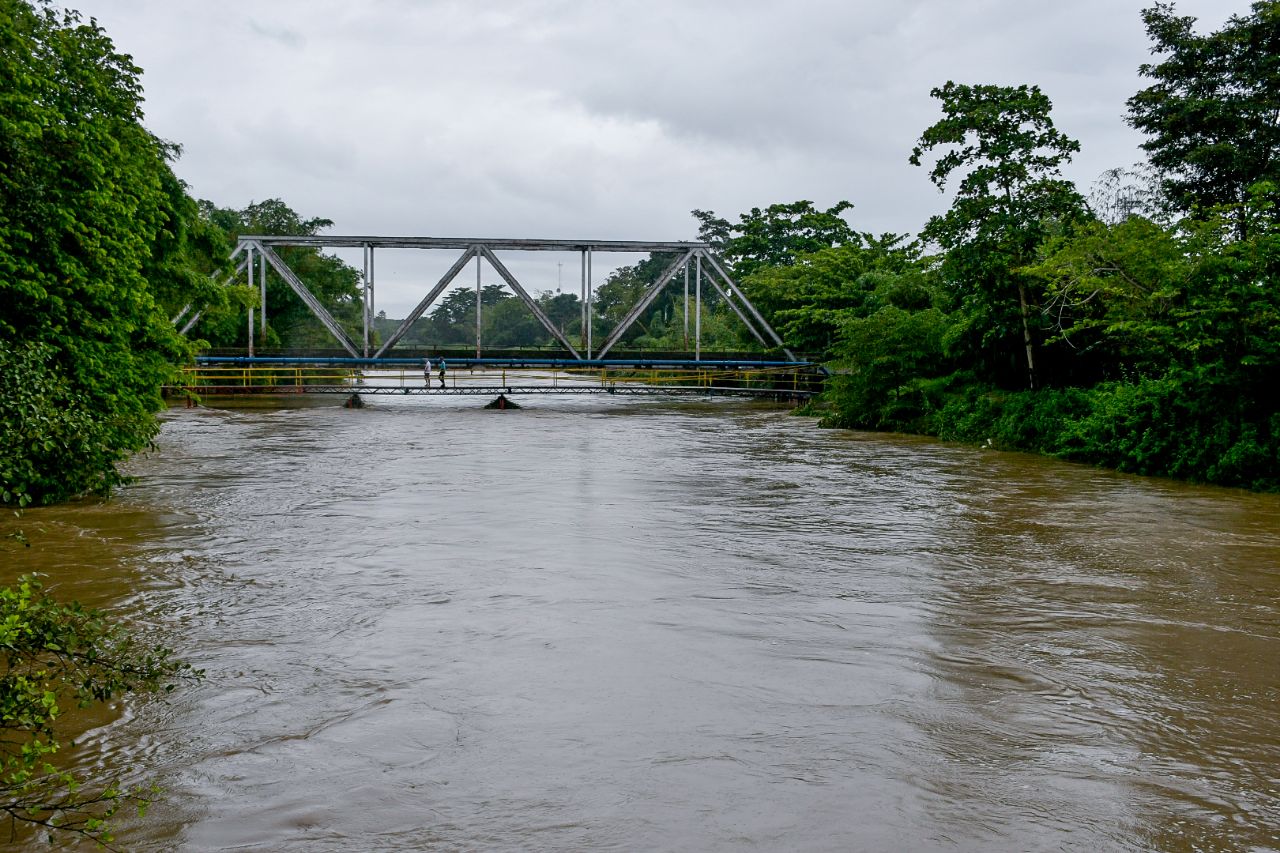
column 239, row 376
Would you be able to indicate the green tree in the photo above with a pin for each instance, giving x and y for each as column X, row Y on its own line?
column 510, row 323
column 810, row 300
column 777, row 235
column 1210, row 114
column 53, row 655
column 1117, row 296
column 89, row 209
column 453, row 320
column 1002, row 142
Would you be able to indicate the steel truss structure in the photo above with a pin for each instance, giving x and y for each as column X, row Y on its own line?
column 255, row 253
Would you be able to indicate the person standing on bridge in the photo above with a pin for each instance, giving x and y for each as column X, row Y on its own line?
column 426, row 371
column 442, row 370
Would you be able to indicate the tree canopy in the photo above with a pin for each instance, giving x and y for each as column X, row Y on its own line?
column 1210, row 113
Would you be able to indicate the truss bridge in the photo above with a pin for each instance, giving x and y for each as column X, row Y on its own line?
column 375, row 367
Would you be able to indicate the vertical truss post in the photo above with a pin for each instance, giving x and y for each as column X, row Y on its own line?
column 262, row 300
column 697, row 315
column 249, row 276
column 364, row 295
column 590, row 299
column 479, row 301
column 373, row 278
column 582, row 328
column 296, row 285
column 426, row 302
column 686, row 307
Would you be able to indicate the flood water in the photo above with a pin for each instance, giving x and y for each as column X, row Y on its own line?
column 610, row 624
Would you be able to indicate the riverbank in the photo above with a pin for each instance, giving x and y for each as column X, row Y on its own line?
column 1178, row 426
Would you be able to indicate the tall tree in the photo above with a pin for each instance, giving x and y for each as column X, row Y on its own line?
column 1212, row 114
column 88, row 210
column 1002, row 142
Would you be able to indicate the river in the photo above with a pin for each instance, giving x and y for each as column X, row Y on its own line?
column 610, row 624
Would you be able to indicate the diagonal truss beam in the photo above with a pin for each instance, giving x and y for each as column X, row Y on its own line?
column 227, row 279
column 764, row 324
column 195, row 318
column 308, row 299
column 733, row 305
column 528, row 300
column 645, row 300
column 729, row 300
column 427, row 301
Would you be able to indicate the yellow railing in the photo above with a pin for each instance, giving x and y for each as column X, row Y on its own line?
column 285, row 378
column 291, row 379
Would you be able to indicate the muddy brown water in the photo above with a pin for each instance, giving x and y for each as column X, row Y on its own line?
column 607, row 624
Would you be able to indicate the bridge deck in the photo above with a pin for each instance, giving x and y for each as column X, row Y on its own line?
column 282, row 375
column 491, row 390
column 539, row 361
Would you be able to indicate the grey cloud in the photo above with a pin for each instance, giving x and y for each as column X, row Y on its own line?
column 281, row 35
column 568, row 118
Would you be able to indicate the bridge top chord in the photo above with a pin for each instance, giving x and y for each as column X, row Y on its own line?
column 499, row 244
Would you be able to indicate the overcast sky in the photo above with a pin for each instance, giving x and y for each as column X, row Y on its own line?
column 604, row 120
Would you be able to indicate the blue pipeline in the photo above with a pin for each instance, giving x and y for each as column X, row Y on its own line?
column 300, row 361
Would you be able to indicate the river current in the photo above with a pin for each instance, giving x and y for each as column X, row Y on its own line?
column 611, row 624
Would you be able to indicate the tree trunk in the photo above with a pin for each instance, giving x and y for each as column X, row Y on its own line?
column 1026, row 335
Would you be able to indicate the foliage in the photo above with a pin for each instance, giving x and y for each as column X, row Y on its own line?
column 91, row 228
column 888, row 378
column 505, row 320
column 54, row 442
column 1003, row 144
column 1114, row 294
column 189, row 265
column 776, row 236
column 1210, row 114
column 52, row 656
column 810, row 299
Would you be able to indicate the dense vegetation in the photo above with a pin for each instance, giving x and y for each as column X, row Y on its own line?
column 95, row 232
column 1138, row 329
